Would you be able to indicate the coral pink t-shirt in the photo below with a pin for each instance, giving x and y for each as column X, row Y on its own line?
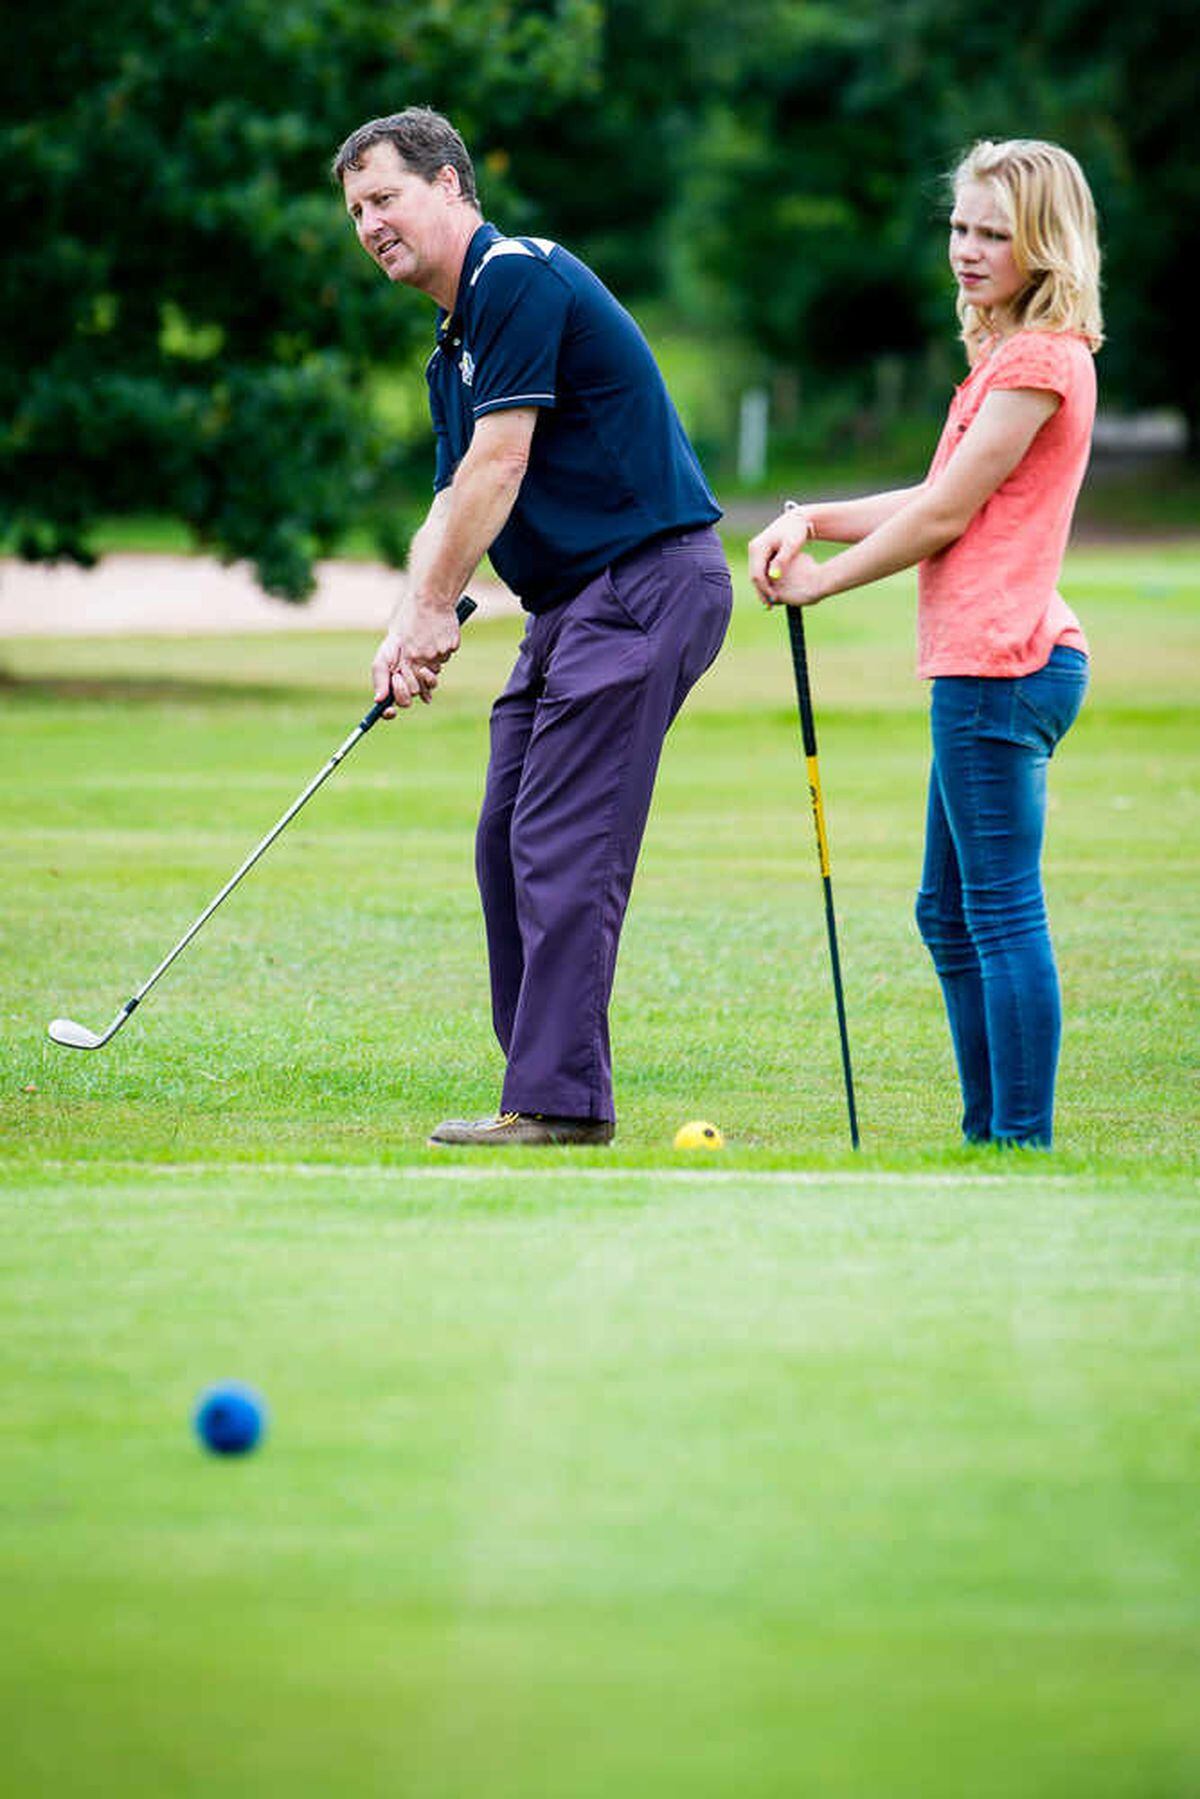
column 988, row 604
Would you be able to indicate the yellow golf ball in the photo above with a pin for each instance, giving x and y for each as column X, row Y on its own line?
column 774, row 571
column 698, row 1134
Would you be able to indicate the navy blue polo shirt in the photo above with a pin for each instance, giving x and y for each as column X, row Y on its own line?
column 610, row 465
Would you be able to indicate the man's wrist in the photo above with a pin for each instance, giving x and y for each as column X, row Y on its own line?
column 433, row 603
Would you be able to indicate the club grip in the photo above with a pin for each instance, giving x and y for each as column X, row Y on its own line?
column 462, row 612
column 808, row 727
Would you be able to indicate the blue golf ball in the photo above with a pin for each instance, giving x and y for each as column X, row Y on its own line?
column 229, row 1418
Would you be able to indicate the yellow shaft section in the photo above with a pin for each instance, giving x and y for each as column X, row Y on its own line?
column 814, row 788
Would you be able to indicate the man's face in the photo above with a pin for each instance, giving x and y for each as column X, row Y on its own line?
column 404, row 223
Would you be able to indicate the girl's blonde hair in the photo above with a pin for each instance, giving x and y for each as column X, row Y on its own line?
column 1049, row 206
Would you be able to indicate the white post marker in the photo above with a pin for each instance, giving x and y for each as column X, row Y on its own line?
column 753, row 419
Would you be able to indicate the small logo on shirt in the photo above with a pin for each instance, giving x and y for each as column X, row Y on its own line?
column 466, row 368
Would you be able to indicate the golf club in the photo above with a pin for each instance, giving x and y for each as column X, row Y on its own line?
column 795, row 618
column 69, row 1035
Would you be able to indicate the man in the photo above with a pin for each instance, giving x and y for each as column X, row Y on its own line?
column 560, row 454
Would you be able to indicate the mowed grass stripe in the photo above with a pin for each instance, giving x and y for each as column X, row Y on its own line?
column 563, row 1171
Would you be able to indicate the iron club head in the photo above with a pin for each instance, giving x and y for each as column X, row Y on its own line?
column 69, row 1035
column 77, row 1036
column 73, row 1036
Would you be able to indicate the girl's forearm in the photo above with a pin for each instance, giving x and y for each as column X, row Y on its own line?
column 914, row 530
column 849, row 521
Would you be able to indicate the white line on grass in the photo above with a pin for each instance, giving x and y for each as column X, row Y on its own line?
column 424, row 1171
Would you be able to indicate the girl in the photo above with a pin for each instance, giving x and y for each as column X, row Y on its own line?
column 1005, row 653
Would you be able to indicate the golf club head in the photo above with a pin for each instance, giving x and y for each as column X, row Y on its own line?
column 73, row 1036
column 69, row 1035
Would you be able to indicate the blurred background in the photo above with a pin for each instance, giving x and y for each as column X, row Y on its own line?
column 195, row 353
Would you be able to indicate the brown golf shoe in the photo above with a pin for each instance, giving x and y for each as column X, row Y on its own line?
column 521, row 1129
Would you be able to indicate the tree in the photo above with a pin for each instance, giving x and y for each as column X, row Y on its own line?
column 812, row 207
column 1116, row 85
column 185, row 322
column 187, row 326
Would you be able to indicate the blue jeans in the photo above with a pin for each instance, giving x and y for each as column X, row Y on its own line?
column 981, row 909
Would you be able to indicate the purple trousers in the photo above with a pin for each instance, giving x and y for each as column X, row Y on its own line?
column 575, row 743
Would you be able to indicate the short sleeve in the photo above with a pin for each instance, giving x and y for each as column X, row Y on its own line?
column 1040, row 359
column 518, row 315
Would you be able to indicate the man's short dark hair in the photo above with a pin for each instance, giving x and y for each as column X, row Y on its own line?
column 424, row 141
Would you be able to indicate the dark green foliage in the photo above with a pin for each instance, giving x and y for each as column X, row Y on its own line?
column 186, row 320
column 186, row 325
column 814, row 198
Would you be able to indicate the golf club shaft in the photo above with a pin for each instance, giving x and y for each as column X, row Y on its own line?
column 808, row 731
column 463, row 611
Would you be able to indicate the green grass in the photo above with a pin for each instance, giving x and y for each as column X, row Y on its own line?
column 784, row 1471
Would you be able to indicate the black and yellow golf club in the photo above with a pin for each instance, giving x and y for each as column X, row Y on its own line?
column 795, row 618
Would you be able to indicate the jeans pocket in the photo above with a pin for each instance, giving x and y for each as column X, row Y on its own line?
column 1049, row 699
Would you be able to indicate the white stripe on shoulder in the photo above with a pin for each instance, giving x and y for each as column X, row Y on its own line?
column 512, row 246
column 511, row 400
